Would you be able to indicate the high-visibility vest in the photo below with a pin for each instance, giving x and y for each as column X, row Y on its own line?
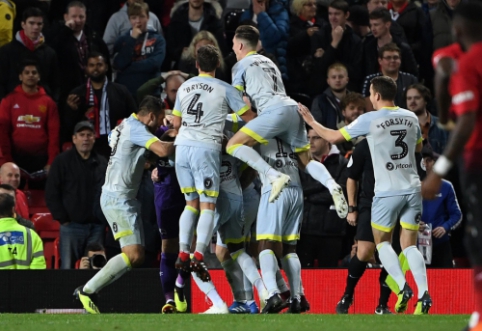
column 20, row 247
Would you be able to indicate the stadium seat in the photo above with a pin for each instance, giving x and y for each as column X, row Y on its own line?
column 36, row 201
column 56, row 253
column 49, row 231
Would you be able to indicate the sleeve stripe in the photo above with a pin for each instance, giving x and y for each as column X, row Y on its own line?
column 177, row 113
column 243, row 110
column 345, row 134
column 151, row 141
column 239, row 87
column 419, row 140
column 235, row 125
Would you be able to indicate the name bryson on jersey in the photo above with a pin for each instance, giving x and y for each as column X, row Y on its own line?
column 199, row 86
column 395, row 121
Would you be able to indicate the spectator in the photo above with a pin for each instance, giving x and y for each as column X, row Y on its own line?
column 380, row 22
column 21, row 248
column 298, row 52
column 119, row 24
column 413, row 21
column 187, row 62
column 94, row 257
column 72, row 40
column 29, row 123
column 441, row 19
column 10, row 175
column 322, row 230
column 359, row 21
column 100, row 101
column 140, row 52
column 390, row 60
column 337, row 42
column 7, row 12
column 326, row 107
column 187, row 19
column 418, row 97
column 173, row 81
column 70, row 194
column 272, row 18
column 352, row 105
column 9, row 189
column 395, row 28
column 29, row 44
column 443, row 213
column 429, row 6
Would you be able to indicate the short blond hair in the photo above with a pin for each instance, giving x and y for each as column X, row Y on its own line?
column 190, row 52
column 137, row 8
column 337, row 66
column 297, row 6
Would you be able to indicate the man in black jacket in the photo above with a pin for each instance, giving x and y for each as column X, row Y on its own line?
column 336, row 42
column 72, row 40
column 100, row 101
column 29, row 45
column 322, row 230
column 187, row 20
column 380, row 22
column 74, row 178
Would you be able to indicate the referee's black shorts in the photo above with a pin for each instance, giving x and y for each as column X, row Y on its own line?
column 364, row 226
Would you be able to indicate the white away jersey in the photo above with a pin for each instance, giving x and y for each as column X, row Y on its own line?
column 128, row 141
column 203, row 103
column 281, row 157
column 261, row 79
column 392, row 135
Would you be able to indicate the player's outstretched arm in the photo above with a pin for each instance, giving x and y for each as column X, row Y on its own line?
column 165, row 146
column 443, row 72
column 333, row 136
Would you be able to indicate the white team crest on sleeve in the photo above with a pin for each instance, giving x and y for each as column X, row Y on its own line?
column 350, row 162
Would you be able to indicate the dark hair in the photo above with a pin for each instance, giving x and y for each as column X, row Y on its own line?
column 422, row 89
column 353, row 97
column 249, row 34
column 31, row 12
column 385, row 86
column 93, row 247
column 28, row 63
column 340, row 5
column 73, row 4
column 390, row 47
column 7, row 187
column 95, row 54
column 7, row 203
column 381, row 13
column 359, row 15
column 151, row 104
column 208, row 58
column 137, row 8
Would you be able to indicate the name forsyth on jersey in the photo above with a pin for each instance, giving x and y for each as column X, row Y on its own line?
column 199, row 86
column 395, row 121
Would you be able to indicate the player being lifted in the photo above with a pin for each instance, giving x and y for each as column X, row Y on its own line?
column 200, row 111
column 277, row 116
column 393, row 136
column 129, row 142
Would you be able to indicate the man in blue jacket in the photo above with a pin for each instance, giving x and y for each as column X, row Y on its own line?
column 443, row 213
column 140, row 52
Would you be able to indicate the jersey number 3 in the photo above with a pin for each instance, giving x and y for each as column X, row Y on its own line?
column 196, row 111
column 400, row 134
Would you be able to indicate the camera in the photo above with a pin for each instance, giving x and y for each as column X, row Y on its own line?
column 97, row 261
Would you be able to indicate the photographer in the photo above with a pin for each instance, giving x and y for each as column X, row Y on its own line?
column 94, row 257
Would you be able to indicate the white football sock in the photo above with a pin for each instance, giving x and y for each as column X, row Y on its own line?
column 235, row 277
column 187, row 221
column 113, row 270
column 252, row 158
column 280, row 281
column 249, row 268
column 269, row 264
column 319, row 172
column 208, row 289
column 292, row 266
column 390, row 262
column 248, row 289
column 417, row 266
column 205, row 228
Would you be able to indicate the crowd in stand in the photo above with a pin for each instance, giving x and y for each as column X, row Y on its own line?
column 70, row 71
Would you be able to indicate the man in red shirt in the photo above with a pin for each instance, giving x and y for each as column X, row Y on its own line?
column 29, row 123
column 10, row 174
column 466, row 86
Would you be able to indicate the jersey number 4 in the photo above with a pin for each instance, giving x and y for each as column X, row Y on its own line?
column 400, row 134
column 196, row 110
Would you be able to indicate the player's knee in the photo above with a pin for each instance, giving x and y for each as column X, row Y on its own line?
column 222, row 253
column 289, row 248
column 136, row 257
column 170, row 246
column 365, row 251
